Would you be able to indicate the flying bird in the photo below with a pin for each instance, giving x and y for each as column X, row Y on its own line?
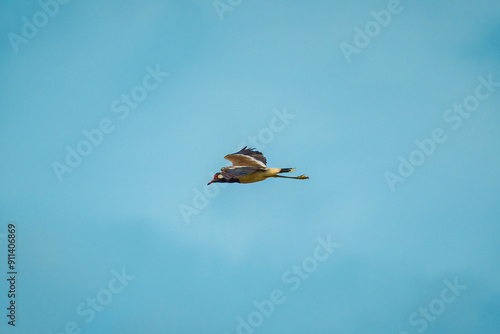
column 249, row 166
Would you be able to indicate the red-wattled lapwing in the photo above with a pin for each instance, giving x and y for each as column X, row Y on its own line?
column 249, row 166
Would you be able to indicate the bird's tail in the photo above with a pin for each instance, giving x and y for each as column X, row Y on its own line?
column 287, row 170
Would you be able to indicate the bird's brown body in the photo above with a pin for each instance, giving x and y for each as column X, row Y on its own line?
column 249, row 166
column 259, row 175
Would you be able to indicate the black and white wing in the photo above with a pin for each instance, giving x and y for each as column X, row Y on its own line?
column 247, row 157
column 237, row 171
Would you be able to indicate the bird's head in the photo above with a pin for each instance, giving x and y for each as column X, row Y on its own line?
column 217, row 178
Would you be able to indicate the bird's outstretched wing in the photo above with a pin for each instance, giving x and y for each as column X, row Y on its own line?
column 247, row 157
column 235, row 172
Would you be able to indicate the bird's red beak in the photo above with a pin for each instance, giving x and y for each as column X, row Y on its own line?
column 209, row 183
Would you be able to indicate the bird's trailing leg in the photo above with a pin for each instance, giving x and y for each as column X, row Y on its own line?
column 301, row 177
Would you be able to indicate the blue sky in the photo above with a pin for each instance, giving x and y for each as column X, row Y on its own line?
column 128, row 238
